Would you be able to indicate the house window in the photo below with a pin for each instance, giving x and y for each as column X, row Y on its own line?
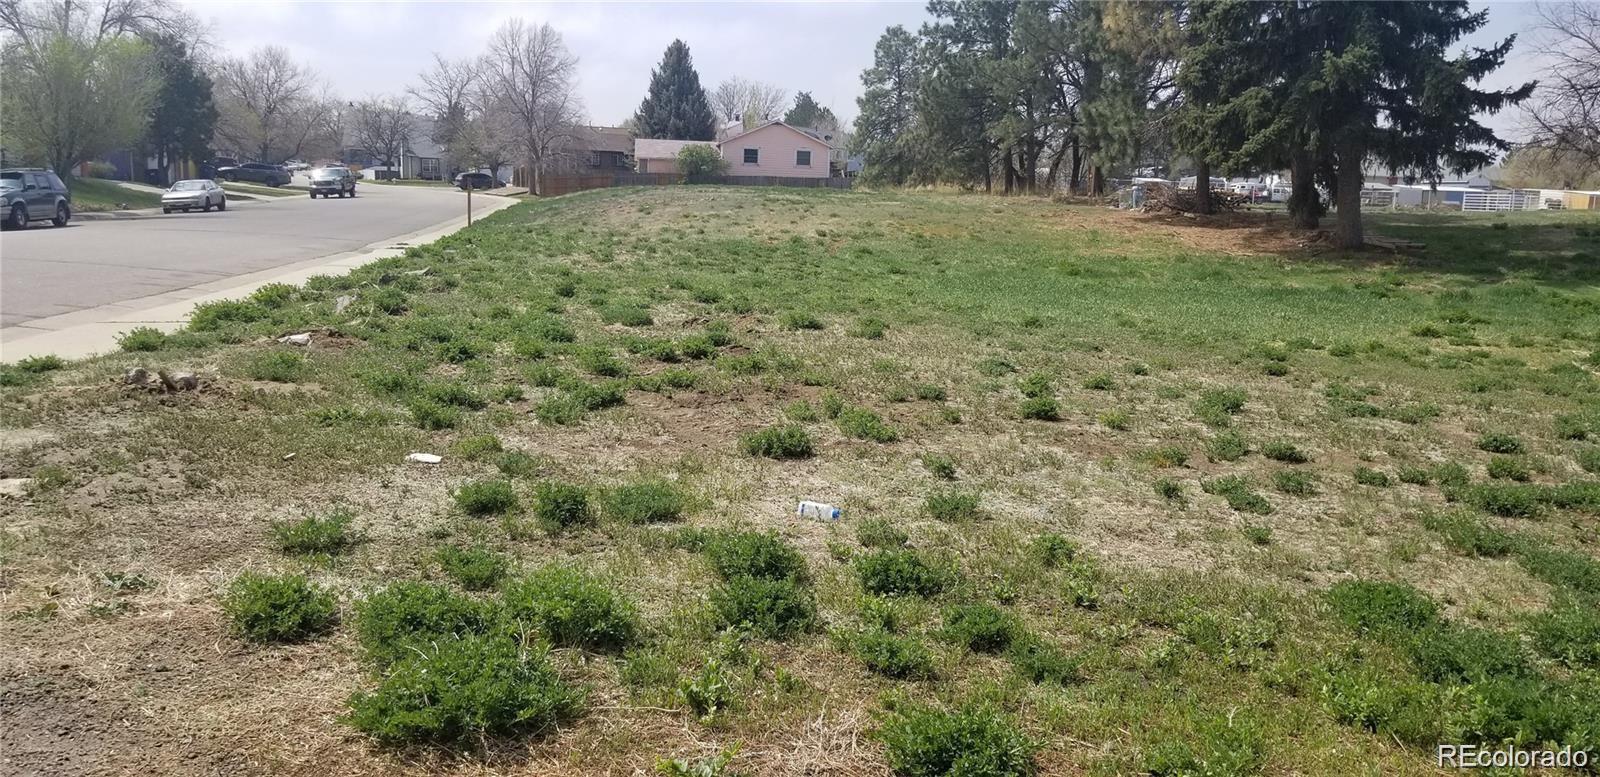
column 802, row 158
column 752, row 156
column 430, row 166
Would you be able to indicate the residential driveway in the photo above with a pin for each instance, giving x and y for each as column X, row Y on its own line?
column 46, row 271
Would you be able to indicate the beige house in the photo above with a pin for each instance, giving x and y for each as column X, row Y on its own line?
column 661, row 156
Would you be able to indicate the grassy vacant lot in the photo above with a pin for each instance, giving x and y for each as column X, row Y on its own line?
column 93, row 194
column 1120, row 495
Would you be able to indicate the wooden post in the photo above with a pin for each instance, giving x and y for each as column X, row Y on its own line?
column 469, row 203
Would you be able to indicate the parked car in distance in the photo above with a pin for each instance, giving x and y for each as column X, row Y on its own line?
column 295, row 166
column 31, row 193
column 255, row 172
column 466, row 181
column 198, row 193
column 328, row 181
column 1217, row 184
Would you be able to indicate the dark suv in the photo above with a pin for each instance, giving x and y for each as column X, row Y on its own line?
column 328, row 181
column 465, row 181
column 31, row 194
column 255, row 172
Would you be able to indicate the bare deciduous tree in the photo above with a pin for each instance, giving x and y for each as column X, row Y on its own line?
column 1563, row 119
column 449, row 94
column 271, row 106
column 382, row 127
column 751, row 101
column 530, row 73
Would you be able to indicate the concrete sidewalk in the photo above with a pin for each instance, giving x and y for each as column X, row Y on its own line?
column 92, row 331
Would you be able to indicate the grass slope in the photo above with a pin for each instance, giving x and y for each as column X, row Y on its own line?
column 93, row 194
column 1137, row 494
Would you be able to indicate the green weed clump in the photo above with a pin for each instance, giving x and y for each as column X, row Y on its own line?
column 863, row 424
column 778, row 442
column 285, row 608
column 142, row 339
column 433, row 416
column 1036, row 385
column 1589, row 459
column 741, row 554
column 1164, row 457
column 1508, row 468
column 1222, row 745
column 772, row 608
column 952, row 505
column 868, row 329
column 939, row 465
column 1227, row 446
column 476, row 568
column 461, row 691
column 1216, row 406
column 902, row 657
column 795, row 320
column 983, row 628
column 1378, row 607
column 486, row 497
column 478, row 447
column 277, row 367
column 1368, row 476
column 1284, row 451
column 314, row 535
column 1569, row 632
column 969, row 740
column 558, row 505
column 212, row 316
column 1507, row 500
column 1238, row 493
column 572, row 608
column 880, row 533
column 626, row 315
column 902, row 573
column 1100, row 381
column 1116, row 420
column 1168, row 489
column 404, row 617
column 1497, row 442
column 1294, row 482
column 1042, row 662
column 1465, row 533
column 1053, row 550
column 649, row 501
column 1040, row 409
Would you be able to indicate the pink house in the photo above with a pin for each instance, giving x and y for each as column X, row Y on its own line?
column 772, row 149
column 777, row 149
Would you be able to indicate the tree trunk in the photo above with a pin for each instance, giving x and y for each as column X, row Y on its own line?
column 1202, row 188
column 1347, row 222
column 1010, row 173
column 1305, row 204
column 1055, row 169
column 1076, row 180
column 1097, row 181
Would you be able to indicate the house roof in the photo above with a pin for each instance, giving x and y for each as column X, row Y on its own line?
column 617, row 139
column 652, row 148
column 810, row 133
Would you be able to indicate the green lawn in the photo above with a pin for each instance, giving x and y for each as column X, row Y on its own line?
column 1120, row 495
column 93, row 194
column 255, row 190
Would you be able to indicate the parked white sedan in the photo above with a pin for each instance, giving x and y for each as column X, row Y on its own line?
column 196, row 194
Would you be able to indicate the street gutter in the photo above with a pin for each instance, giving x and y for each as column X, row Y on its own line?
column 92, row 331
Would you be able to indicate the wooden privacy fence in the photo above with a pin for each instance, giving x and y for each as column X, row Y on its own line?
column 555, row 185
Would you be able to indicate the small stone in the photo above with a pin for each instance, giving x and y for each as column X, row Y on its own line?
column 185, row 381
column 136, row 376
column 425, row 458
column 341, row 302
column 302, row 339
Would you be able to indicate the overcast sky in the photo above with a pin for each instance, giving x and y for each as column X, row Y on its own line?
column 363, row 48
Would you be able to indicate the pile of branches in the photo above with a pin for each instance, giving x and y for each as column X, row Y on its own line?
column 1168, row 199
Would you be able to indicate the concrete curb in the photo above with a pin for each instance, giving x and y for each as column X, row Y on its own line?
column 141, row 213
column 84, row 333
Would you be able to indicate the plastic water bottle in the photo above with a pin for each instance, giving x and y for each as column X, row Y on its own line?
column 818, row 510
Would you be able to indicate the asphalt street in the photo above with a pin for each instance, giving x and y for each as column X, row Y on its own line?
column 47, row 271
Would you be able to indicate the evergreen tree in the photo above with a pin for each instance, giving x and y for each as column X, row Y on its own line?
column 1384, row 90
column 807, row 113
column 182, row 115
column 676, row 107
column 887, row 122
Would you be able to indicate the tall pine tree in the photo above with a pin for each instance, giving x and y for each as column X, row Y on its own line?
column 887, row 123
column 676, row 107
column 182, row 115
